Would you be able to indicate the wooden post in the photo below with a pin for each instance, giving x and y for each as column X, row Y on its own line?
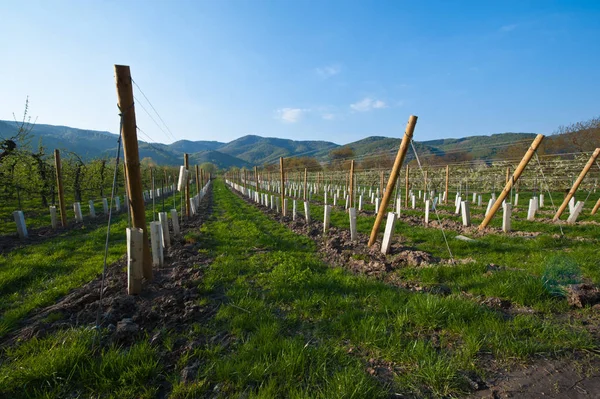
column 351, row 194
column 516, row 175
column 576, row 184
column 256, row 178
column 132, row 160
column 61, row 193
column 507, row 174
column 282, row 185
column 198, row 185
column 447, row 184
column 186, row 164
column 406, row 188
column 381, row 184
column 596, row 207
column 410, row 128
column 305, row 173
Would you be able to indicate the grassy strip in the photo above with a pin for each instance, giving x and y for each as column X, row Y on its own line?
column 534, row 266
column 298, row 328
column 308, row 330
column 36, row 275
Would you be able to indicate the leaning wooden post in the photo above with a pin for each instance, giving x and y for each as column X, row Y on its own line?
column 198, row 185
column 351, row 194
column 410, row 128
column 406, row 188
column 596, row 207
column 186, row 164
column 132, row 160
column 573, row 189
column 447, row 184
column 59, row 184
column 282, row 185
column 516, row 175
column 305, row 173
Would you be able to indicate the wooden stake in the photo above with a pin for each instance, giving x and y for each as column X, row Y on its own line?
column 61, row 193
column 381, row 184
column 132, row 160
column 447, row 183
column 305, row 173
column 573, row 189
column 410, row 128
column 351, row 194
column 406, row 188
column 516, row 175
column 507, row 174
column 186, row 164
column 256, row 178
column 282, row 185
column 198, row 184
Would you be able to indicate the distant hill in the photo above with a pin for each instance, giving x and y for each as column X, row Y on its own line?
column 222, row 161
column 253, row 150
column 259, row 150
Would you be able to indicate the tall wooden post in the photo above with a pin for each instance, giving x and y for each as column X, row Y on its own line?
column 351, row 194
column 576, row 184
column 282, row 185
column 410, row 128
column 305, row 176
column 202, row 177
column 186, row 164
column 406, row 188
column 507, row 174
column 132, row 160
column 447, row 183
column 256, row 177
column 198, row 184
column 381, row 184
column 59, row 185
column 516, row 175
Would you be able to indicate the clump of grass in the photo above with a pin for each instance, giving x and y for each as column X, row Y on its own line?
column 560, row 271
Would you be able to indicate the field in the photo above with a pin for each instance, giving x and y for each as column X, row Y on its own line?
column 253, row 304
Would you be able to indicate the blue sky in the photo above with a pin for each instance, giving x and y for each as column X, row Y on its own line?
column 314, row 70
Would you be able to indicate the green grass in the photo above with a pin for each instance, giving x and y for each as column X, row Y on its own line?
column 38, row 274
column 297, row 328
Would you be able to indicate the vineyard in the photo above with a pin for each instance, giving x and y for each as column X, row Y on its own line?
column 121, row 278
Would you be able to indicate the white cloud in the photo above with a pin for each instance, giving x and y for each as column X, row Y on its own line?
column 328, row 71
column 367, row 104
column 508, row 28
column 290, row 115
column 328, row 117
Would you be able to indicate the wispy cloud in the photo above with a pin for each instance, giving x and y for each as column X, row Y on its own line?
column 290, row 115
column 508, row 28
column 328, row 117
column 367, row 104
column 328, row 71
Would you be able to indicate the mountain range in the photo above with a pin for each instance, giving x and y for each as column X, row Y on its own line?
column 251, row 150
